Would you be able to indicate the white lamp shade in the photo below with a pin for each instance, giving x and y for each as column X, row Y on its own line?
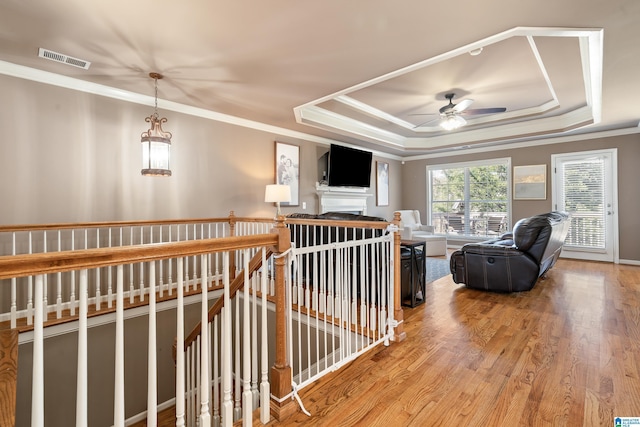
column 277, row 193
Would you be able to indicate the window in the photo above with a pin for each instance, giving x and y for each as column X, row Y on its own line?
column 470, row 199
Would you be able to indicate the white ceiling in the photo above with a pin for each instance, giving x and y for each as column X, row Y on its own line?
column 365, row 72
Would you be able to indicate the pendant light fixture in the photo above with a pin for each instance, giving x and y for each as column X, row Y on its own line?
column 156, row 143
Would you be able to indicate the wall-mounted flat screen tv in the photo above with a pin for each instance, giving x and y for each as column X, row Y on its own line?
column 349, row 167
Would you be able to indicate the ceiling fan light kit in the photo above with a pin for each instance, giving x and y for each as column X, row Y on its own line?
column 451, row 112
column 451, row 122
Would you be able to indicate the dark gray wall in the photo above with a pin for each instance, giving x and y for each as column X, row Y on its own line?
column 414, row 181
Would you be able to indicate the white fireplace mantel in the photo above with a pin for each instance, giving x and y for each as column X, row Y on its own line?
column 342, row 199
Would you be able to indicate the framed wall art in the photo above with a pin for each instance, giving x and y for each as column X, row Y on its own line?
column 530, row 182
column 288, row 170
column 382, row 183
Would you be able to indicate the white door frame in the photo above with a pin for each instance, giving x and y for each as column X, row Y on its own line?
column 612, row 254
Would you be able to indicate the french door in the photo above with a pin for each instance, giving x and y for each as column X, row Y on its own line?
column 585, row 185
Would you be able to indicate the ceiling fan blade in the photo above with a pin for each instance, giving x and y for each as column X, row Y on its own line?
column 427, row 122
column 423, row 114
column 462, row 105
column 478, row 111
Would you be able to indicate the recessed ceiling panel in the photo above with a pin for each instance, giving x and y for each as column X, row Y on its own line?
column 509, row 63
column 563, row 63
column 515, row 84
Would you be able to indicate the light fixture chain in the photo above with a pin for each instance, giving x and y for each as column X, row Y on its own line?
column 156, row 110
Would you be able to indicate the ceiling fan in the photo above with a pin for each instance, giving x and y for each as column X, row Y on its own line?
column 451, row 114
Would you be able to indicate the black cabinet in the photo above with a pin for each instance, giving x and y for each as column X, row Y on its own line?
column 412, row 272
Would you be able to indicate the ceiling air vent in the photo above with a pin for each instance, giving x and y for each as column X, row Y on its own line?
column 65, row 59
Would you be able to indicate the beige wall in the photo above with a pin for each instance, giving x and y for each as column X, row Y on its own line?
column 414, row 185
column 69, row 156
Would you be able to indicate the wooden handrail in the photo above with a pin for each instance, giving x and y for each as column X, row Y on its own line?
column 234, row 287
column 54, row 262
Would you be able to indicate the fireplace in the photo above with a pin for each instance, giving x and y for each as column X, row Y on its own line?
column 342, row 199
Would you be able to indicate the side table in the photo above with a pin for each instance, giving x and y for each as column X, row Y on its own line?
column 413, row 272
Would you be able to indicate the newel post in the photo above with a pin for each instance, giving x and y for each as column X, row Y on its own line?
column 398, row 314
column 232, row 254
column 281, row 376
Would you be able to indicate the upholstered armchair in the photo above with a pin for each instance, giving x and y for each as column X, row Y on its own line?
column 412, row 229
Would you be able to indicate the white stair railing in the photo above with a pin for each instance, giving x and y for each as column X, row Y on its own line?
column 59, row 292
column 149, row 256
column 233, row 350
column 341, row 297
column 341, row 300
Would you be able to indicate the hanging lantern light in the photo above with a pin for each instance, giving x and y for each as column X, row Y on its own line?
column 156, row 143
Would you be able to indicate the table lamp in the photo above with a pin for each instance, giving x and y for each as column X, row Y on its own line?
column 276, row 193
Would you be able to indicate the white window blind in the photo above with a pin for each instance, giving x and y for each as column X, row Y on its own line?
column 584, row 197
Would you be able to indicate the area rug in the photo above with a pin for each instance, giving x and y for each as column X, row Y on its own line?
column 436, row 268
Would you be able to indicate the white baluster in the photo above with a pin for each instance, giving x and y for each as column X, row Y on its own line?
column 37, row 387
column 131, row 289
column 322, row 297
column 205, row 382
column 255, row 395
column 59, row 285
column 227, row 404
column 98, row 292
column 14, row 293
column 82, row 389
column 45, row 287
column 152, row 371
column 211, row 348
column 30, row 288
column 247, row 400
column 170, row 273
column 118, row 402
column 110, row 272
column 180, row 373
column 265, row 409
column 210, row 257
column 237, row 394
column 195, row 259
column 72, row 297
column 217, row 257
column 216, row 371
column 197, row 378
column 186, row 264
column 189, row 368
column 141, row 267
column 160, row 266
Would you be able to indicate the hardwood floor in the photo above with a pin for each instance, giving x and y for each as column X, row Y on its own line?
column 566, row 353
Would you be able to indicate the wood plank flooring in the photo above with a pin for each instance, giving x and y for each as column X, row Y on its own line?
column 566, row 353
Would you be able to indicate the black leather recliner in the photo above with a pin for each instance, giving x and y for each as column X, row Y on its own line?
column 515, row 261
